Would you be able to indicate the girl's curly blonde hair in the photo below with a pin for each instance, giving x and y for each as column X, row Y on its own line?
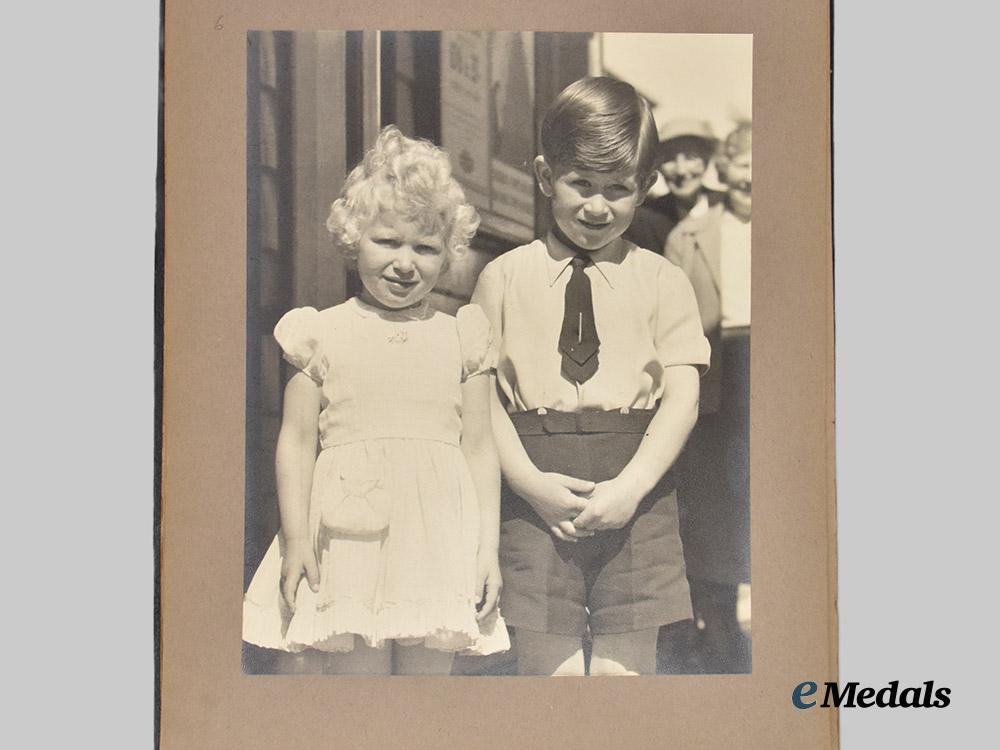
column 410, row 178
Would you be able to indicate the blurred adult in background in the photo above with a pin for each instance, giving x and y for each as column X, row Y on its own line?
column 713, row 248
column 686, row 149
column 735, row 167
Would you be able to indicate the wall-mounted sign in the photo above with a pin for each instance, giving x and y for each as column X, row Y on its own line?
column 487, row 125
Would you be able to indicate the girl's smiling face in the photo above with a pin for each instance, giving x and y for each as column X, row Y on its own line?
column 591, row 208
column 398, row 262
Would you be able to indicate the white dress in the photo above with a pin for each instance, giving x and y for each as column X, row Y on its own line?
column 393, row 510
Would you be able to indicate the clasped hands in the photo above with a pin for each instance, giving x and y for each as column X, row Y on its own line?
column 576, row 508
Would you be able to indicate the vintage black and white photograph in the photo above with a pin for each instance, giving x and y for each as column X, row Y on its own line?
column 498, row 353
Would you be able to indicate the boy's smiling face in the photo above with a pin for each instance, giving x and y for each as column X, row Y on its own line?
column 591, row 208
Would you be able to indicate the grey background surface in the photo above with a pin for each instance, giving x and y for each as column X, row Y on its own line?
column 917, row 404
column 917, row 408
column 76, row 297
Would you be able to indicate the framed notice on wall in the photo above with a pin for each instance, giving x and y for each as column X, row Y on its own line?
column 487, row 125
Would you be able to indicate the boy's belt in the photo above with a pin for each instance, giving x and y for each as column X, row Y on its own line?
column 544, row 422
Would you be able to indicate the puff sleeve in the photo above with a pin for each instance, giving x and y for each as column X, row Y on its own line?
column 475, row 337
column 299, row 334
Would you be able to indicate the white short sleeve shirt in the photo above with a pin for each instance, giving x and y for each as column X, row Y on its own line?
column 646, row 315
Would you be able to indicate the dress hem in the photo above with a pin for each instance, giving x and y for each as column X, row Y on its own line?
column 452, row 627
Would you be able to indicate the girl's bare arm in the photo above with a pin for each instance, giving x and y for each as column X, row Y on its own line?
column 295, row 459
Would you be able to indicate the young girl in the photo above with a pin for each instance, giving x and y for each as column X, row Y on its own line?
column 387, row 554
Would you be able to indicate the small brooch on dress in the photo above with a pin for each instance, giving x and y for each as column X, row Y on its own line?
column 399, row 337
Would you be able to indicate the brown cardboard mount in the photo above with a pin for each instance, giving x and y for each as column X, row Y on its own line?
column 207, row 700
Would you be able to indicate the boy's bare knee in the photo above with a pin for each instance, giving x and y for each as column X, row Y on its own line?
column 569, row 668
column 545, row 654
column 547, row 665
column 624, row 653
column 608, row 667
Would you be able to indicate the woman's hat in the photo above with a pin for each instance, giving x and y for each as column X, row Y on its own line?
column 697, row 133
column 687, row 127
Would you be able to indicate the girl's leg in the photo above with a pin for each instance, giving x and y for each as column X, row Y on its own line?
column 420, row 660
column 548, row 654
column 624, row 653
column 309, row 661
column 362, row 660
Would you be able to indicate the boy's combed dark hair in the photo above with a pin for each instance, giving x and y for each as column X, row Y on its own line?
column 600, row 124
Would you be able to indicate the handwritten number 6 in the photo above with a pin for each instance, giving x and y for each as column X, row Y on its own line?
column 218, row 23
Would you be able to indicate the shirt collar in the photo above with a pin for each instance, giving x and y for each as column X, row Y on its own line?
column 700, row 207
column 607, row 260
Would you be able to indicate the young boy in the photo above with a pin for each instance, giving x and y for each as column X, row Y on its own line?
column 594, row 335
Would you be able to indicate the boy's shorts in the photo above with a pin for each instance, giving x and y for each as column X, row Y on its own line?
column 616, row 581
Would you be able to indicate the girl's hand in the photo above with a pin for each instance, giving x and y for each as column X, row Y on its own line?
column 299, row 558
column 488, row 583
column 558, row 499
column 612, row 505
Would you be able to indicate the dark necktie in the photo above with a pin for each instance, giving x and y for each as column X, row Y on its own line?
column 578, row 341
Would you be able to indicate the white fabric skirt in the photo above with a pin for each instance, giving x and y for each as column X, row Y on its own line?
column 395, row 527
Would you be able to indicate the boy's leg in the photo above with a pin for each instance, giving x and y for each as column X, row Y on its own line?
column 624, row 653
column 548, row 654
column 544, row 594
column 420, row 660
